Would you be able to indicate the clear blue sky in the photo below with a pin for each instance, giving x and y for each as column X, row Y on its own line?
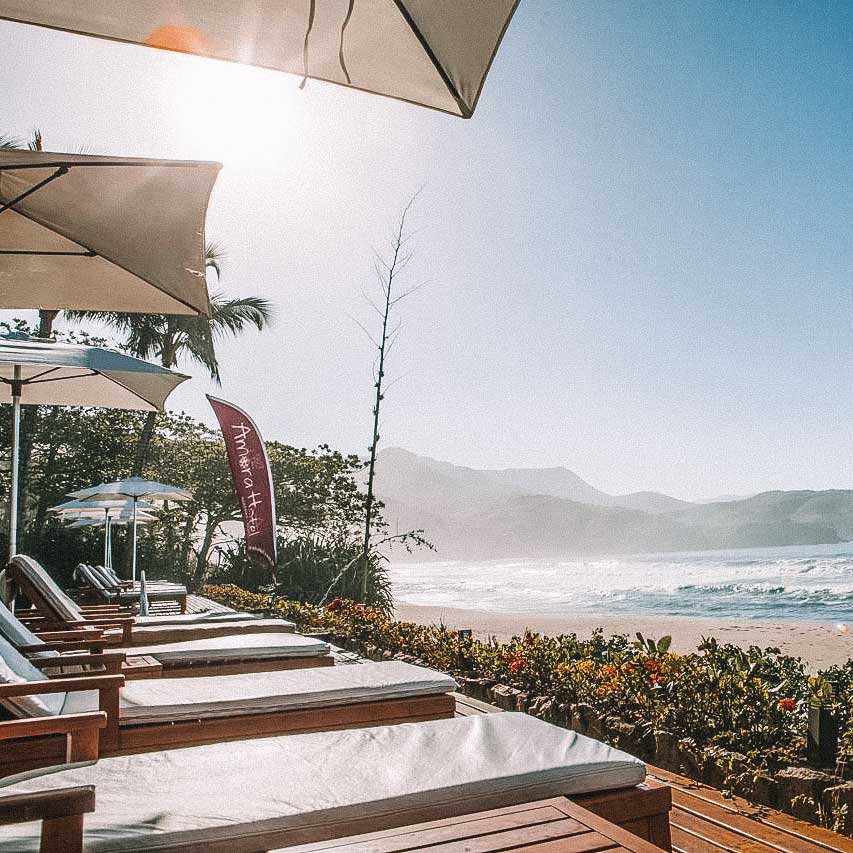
column 638, row 253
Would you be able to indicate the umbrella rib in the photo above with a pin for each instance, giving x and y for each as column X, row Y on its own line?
column 61, row 170
column 424, row 43
column 36, row 380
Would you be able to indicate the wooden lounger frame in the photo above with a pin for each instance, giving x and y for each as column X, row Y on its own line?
column 125, row 594
column 127, row 736
column 112, row 616
column 62, row 811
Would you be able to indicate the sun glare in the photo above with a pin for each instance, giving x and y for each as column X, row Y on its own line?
column 232, row 113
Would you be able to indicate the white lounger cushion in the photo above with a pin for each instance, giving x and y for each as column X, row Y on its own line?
column 175, row 632
column 236, row 647
column 234, row 793
column 156, row 700
column 192, row 618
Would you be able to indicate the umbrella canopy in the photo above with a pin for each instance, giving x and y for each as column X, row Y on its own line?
column 103, row 233
column 101, row 509
column 136, row 489
column 49, row 373
column 133, row 488
column 100, row 522
column 40, row 372
column 435, row 54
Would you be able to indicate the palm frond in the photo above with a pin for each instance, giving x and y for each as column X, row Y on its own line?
column 213, row 257
column 230, row 316
column 9, row 142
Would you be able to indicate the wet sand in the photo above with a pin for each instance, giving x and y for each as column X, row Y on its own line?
column 818, row 644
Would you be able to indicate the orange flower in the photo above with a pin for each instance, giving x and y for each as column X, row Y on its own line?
column 608, row 670
column 787, row 704
column 516, row 664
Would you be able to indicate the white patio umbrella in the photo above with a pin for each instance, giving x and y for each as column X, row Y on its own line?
column 435, row 54
column 106, row 513
column 123, row 521
column 87, row 232
column 38, row 372
column 136, row 489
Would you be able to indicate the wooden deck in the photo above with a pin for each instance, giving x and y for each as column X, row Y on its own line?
column 704, row 821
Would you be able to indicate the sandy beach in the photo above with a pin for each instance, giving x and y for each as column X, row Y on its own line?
column 818, row 644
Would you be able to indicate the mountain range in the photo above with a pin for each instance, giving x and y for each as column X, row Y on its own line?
column 470, row 513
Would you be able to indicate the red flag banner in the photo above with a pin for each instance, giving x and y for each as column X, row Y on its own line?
column 250, row 470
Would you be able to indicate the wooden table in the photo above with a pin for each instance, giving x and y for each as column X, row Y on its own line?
column 548, row 826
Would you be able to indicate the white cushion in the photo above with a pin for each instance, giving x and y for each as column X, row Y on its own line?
column 16, row 669
column 158, row 700
column 239, row 793
column 174, row 632
column 61, row 604
column 236, row 648
column 195, row 618
column 18, row 634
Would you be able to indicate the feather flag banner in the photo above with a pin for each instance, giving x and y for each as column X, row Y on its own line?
column 250, row 471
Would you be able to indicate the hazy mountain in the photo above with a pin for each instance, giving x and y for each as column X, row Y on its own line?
column 551, row 512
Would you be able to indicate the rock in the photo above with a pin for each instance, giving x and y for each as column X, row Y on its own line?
column 522, row 701
column 504, row 696
column 476, row 688
column 582, row 718
column 765, row 791
column 801, row 790
column 666, row 751
column 388, row 655
column 543, row 707
column 691, row 758
column 837, row 804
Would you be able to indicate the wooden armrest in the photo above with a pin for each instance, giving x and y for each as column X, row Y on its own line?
column 93, row 647
column 74, row 634
column 123, row 622
column 47, row 805
column 59, row 725
column 61, row 685
column 111, row 660
column 102, row 609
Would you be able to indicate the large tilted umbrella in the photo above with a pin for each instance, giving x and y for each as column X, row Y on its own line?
column 103, row 233
column 435, row 53
column 136, row 489
column 37, row 372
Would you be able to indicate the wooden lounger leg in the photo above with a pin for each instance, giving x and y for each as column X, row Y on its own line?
column 61, row 814
column 62, row 835
column 642, row 810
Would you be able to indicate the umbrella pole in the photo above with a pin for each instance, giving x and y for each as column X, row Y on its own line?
column 16, row 449
column 134, row 540
column 106, row 538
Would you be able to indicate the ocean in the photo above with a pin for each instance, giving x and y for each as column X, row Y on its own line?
column 811, row 583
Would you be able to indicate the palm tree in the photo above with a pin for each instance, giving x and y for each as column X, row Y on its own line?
column 170, row 338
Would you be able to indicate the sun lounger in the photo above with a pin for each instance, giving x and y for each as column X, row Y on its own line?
column 59, row 611
column 154, row 714
column 277, row 792
column 96, row 590
column 213, row 656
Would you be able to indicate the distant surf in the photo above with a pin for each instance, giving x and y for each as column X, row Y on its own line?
column 808, row 583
